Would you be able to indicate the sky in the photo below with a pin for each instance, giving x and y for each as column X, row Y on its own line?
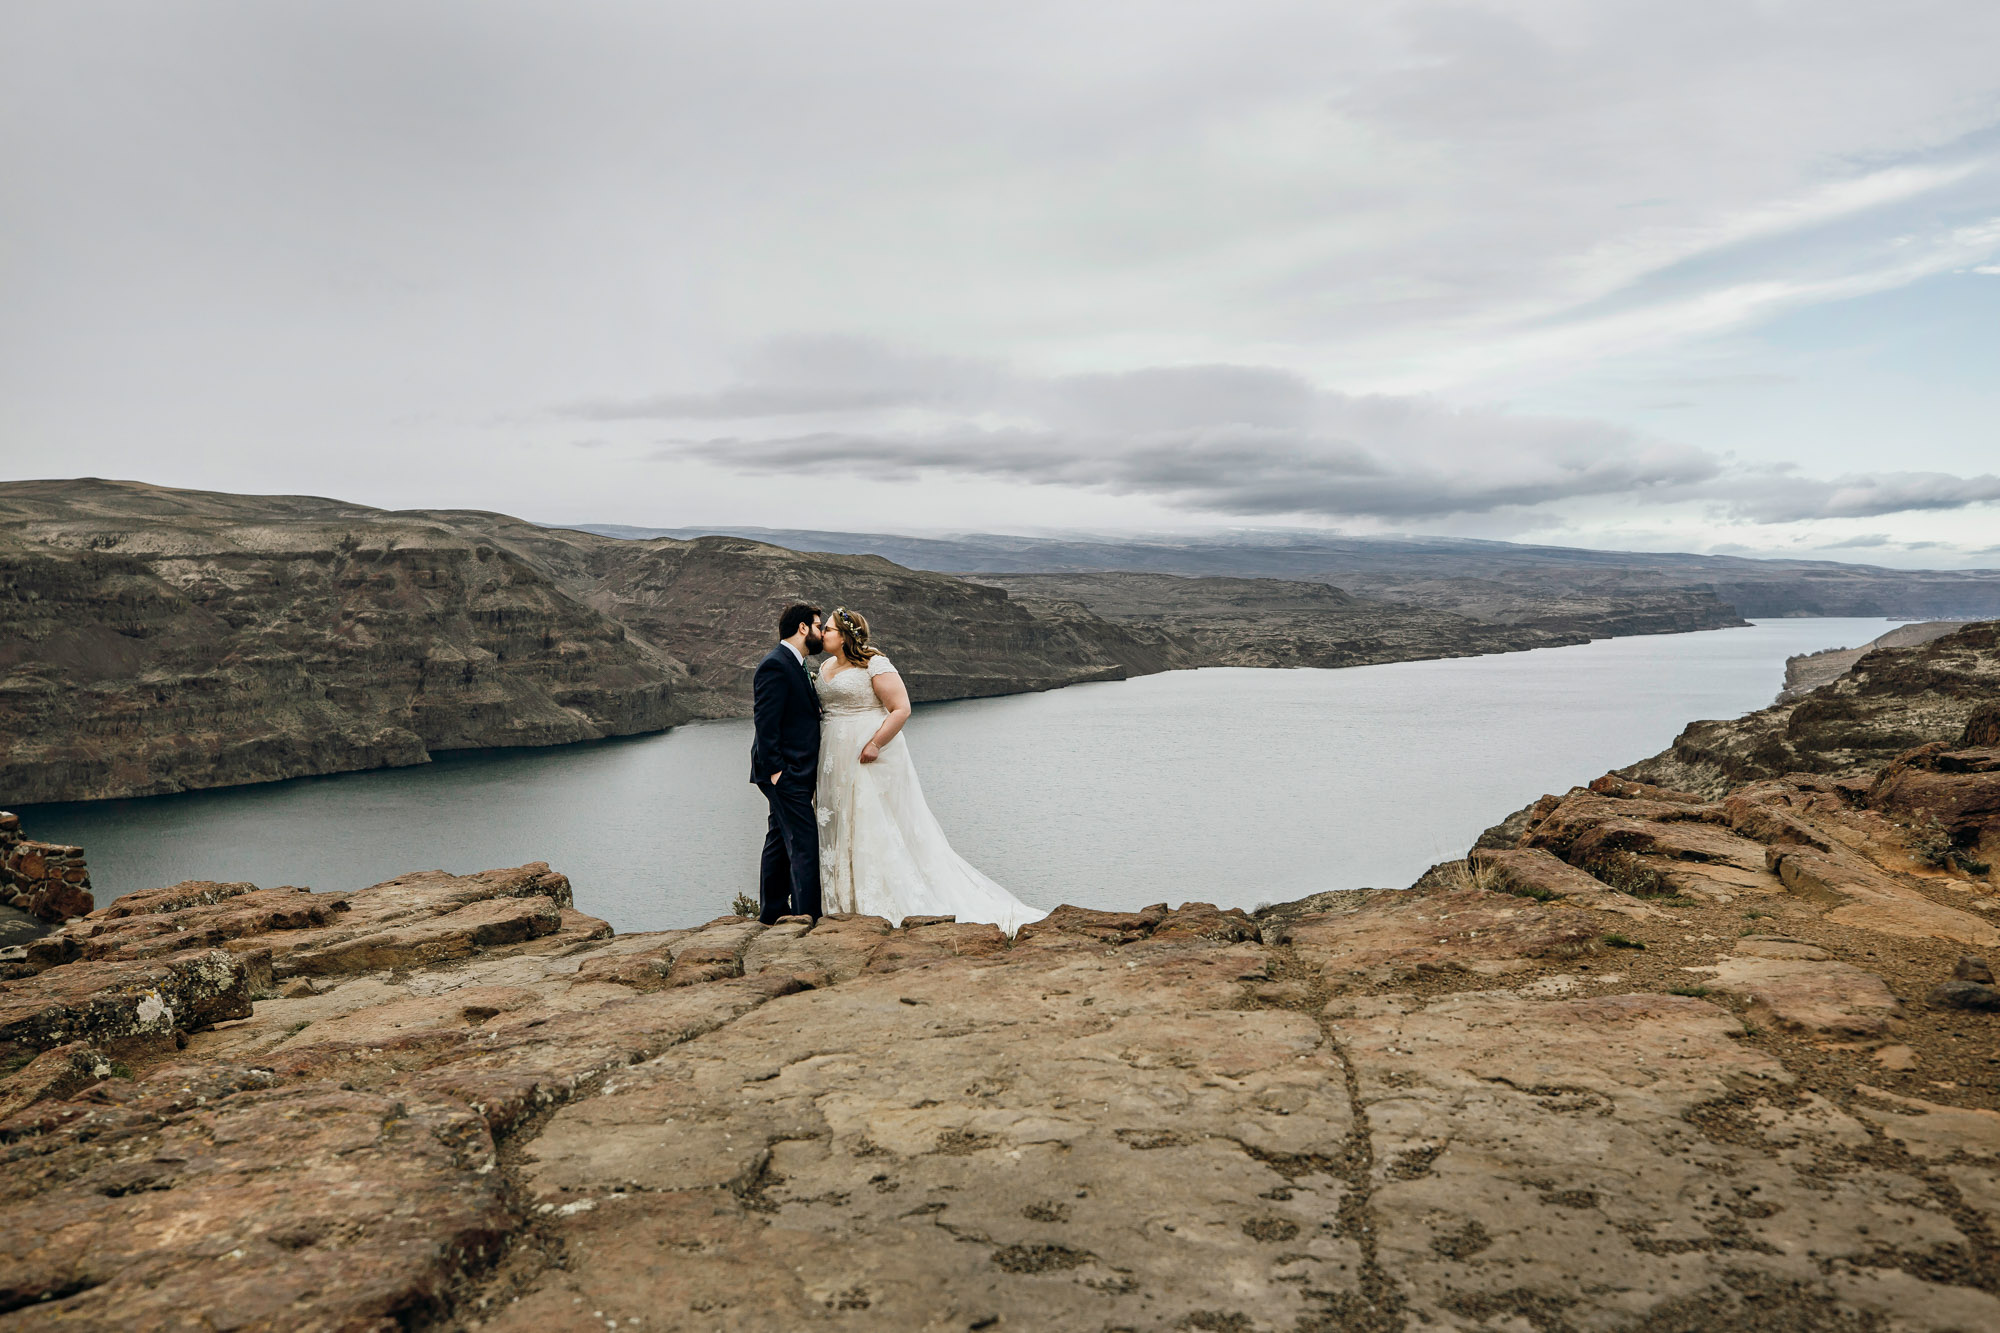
column 1666, row 276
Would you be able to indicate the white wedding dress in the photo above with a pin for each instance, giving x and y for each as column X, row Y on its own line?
column 881, row 851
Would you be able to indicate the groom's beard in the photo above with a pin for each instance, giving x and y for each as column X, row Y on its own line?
column 814, row 643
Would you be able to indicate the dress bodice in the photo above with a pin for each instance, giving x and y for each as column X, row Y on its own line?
column 851, row 690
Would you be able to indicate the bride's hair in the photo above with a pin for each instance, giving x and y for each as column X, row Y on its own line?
column 853, row 627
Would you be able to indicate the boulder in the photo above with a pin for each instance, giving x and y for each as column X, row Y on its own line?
column 1077, row 924
column 1205, row 921
column 173, row 898
column 426, row 943
column 1975, row 995
column 967, row 939
column 1957, row 790
column 55, row 1075
column 106, row 1004
column 1611, row 784
column 1858, row 893
column 1531, row 872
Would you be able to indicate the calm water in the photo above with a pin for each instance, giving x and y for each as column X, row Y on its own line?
column 1230, row 786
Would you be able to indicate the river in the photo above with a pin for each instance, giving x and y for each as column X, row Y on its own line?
column 1231, row 786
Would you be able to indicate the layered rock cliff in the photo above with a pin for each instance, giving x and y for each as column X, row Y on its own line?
column 1550, row 587
column 1658, row 1063
column 1271, row 622
column 159, row 641
column 155, row 640
column 713, row 603
column 1891, row 700
column 1808, row 671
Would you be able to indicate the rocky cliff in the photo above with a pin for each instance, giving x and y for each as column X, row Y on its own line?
column 156, row 640
column 1890, row 700
column 713, row 603
column 1550, row 587
column 1657, row 1063
column 1808, row 671
column 1199, row 622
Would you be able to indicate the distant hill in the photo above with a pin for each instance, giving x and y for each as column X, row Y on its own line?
column 1504, row 582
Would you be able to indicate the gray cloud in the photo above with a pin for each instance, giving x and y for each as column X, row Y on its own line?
column 1789, row 499
column 1242, row 440
column 1238, row 470
column 1248, row 441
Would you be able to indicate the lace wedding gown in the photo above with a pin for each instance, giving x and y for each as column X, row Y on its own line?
column 881, row 852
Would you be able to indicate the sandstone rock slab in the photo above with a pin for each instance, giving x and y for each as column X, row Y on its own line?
column 893, row 1151
column 1386, row 935
column 291, row 1208
column 1819, row 996
column 109, row 1003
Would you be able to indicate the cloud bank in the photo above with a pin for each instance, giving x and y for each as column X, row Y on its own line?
column 1240, row 441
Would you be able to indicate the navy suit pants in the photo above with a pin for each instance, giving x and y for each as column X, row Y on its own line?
column 789, row 882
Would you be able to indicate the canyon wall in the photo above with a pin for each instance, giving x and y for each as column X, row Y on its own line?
column 154, row 640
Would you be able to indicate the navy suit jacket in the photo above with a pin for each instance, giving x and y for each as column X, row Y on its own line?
column 785, row 712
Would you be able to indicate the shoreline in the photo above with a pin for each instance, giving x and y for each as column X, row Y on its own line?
column 617, row 813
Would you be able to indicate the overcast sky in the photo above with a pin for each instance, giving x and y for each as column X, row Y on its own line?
column 1711, row 276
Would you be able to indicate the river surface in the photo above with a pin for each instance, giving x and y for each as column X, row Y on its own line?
column 1231, row 786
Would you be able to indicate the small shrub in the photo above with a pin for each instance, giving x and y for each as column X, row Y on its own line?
column 1617, row 941
column 1931, row 844
column 1756, row 912
column 1455, row 875
column 744, row 905
column 119, row 1069
column 1692, row 992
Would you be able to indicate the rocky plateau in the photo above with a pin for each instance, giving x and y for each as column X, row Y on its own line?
column 1648, row 1060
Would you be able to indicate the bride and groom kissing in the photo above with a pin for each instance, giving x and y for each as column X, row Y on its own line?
column 849, row 830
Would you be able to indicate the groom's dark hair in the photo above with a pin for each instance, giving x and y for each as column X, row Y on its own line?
column 797, row 614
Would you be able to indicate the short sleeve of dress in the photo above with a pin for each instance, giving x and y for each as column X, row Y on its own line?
column 880, row 665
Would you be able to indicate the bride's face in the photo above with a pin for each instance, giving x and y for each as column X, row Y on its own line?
column 831, row 638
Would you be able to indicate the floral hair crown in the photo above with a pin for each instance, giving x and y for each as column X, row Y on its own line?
column 856, row 635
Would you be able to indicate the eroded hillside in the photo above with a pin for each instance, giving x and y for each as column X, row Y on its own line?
column 158, row 640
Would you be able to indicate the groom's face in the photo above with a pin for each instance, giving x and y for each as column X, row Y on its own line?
column 814, row 642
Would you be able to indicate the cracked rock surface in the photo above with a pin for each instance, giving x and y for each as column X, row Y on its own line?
column 1655, row 1063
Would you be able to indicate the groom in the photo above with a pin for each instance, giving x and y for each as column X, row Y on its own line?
column 784, row 763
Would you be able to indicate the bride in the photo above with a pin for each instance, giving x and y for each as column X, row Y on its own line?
column 881, row 852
